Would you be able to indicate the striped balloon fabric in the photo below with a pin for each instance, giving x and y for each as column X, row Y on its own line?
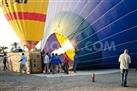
column 27, row 17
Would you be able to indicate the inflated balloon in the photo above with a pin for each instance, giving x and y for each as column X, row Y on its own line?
column 99, row 30
column 27, row 17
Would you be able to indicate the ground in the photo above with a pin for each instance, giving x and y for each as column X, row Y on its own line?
column 10, row 81
column 106, row 80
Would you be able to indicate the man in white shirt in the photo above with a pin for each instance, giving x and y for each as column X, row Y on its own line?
column 124, row 60
column 47, row 62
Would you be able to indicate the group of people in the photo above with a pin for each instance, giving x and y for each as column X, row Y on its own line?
column 53, row 63
column 22, row 62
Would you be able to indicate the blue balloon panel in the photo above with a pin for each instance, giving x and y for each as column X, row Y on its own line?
column 100, row 29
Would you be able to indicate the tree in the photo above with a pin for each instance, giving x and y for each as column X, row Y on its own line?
column 15, row 47
column 3, row 49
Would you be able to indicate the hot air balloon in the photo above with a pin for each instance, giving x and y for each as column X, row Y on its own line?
column 99, row 30
column 27, row 18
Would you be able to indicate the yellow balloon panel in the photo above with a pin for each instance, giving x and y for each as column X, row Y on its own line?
column 34, row 29
column 61, row 39
column 70, row 54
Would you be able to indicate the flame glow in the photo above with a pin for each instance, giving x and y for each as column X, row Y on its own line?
column 67, row 45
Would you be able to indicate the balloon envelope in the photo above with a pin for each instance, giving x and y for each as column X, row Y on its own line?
column 100, row 29
column 27, row 17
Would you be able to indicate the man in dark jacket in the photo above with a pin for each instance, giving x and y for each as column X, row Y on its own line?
column 5, row 62
column 75, row 62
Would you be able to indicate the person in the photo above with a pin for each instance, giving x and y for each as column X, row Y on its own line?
column 5, row 62
column 46, row 63
column 65, row 65
column 57, row 63
column 22, row 63
column 124, row 60
column 75, row 62
column 53, row 63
